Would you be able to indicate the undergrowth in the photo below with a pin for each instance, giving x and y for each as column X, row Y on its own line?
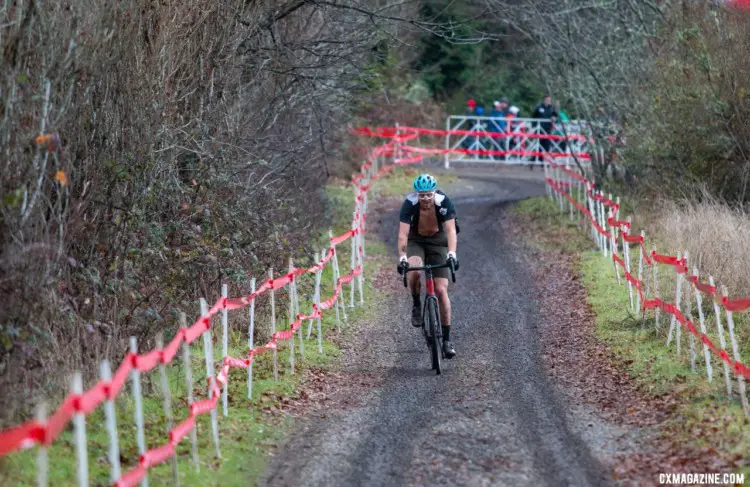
column 252, row 427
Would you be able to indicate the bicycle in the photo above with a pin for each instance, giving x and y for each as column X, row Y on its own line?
column 431, row 326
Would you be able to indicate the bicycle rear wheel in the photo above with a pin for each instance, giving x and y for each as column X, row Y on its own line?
column 435, row 332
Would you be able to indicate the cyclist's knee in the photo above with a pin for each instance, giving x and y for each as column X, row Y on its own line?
column 441, row 289
column 415, row 261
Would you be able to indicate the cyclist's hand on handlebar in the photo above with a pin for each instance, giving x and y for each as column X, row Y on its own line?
column 452, row 256
column 403, row 264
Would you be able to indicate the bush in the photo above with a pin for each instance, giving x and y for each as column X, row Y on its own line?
column 183, row 143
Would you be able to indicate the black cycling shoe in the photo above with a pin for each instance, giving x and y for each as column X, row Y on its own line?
column 448, row 349
column 416, row 316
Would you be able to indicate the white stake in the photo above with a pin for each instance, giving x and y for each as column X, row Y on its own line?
column 569, row 191
column 613, row 238
column 167, row 405
column 722, row 339
column 111, row 418
column 273, row 328
column 79, row 426
column 656, row 290
column 736, row 355
column 295, row 313
column 250, row 334
column 208, row 349
column 353, row 262
column 673, row 320
column 189, row 383
column 626, row 252
column 290, row 313
column 641, row 247
column 42, row 458
column 701, row 317
column 360, row 263
column 689, row 316
column 135, row 377
column 225, row 346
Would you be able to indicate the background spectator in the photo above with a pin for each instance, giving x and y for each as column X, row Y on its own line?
column 547, row 115
column 498, row 123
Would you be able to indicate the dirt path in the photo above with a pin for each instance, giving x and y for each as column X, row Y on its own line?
column 492, row 418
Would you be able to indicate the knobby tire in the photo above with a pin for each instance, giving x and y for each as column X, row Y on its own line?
column 435, row 332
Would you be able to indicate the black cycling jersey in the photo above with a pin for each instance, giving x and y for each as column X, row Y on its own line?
column 444, row 210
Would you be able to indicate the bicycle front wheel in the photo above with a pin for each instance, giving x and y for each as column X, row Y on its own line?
column 436, row 333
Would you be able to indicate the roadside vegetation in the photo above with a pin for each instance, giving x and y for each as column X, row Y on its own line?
column 253, row 427
column 703, row 415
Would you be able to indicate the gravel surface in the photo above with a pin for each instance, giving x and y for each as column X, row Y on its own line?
column 492, row 418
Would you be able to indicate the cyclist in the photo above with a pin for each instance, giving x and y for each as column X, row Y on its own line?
column 428, row 232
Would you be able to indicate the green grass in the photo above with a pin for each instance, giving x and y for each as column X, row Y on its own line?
column 704, row 416
column 247, row 433
column 542, row 216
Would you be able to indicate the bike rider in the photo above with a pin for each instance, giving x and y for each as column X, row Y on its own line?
column 428, row 232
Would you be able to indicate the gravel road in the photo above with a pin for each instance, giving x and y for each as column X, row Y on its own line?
column 491, row 418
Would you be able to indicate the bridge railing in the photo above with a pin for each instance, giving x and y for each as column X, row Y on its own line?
column 515, row 140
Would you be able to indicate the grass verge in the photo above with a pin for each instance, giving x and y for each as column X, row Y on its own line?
column 250, row 429
column 704, row 416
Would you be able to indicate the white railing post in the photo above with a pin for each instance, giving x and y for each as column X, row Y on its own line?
column 689, row 315
column 353, row 263
column 560, row 197
column 569, row 189
column 702, row 318
column 316, row 258
column 641, row 247
column 626, row 255
column 673, row 320
column 295, row 297
column 647, row 293
column 42, row 457
column 225, row 345
column 590, row 205
column 208, row 350
column 290, row 314
column 447, row 143
column 79, row 427
column 135, row 377
column 613, row 239
column 603, row 224
column 189, row 384
column 111, row 419
column 336, row 275
column 736, row 356
column 360, row 263
column 722, row 338
column 333, row 272
column 167, row 405
column 250, row 334
column 273, row 327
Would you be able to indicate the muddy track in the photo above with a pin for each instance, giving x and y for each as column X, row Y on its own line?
column 492, row 418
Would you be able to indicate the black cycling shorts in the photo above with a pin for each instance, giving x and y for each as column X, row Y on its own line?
column 432, row 250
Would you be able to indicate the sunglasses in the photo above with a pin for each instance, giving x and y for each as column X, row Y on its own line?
column 425, row 196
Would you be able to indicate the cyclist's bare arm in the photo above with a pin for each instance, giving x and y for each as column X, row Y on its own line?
column 450, row 227
column 403, row 237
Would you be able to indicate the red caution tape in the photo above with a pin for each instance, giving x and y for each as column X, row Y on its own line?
column 666, row 259
column 634, row 239
column 735, row 304
column 618, row 223
column 342, row 238
column 702, row 287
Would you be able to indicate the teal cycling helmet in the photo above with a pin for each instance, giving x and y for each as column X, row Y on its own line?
column 425, row 182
